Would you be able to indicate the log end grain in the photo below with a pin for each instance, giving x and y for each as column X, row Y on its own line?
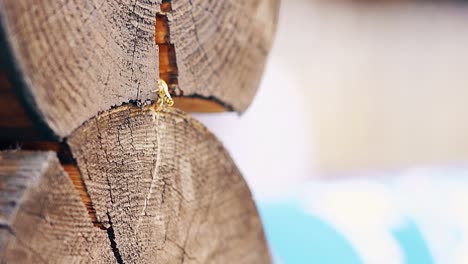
column 75, row 59
column 167, row 188
column 42, row 219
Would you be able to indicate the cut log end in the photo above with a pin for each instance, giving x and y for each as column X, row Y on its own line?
column 42, row 217
column 159, row 188
column 143, row 186
column 167, row 189
column 92, row 56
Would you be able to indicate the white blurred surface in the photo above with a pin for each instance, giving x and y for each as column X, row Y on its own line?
column 269, row 142
column 351, row 88
column 387, row 84
column 415, row 216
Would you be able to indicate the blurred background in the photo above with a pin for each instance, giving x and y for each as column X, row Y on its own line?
column 356, row 146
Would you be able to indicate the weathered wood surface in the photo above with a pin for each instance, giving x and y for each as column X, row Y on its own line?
column 42, row 219
column 73, row 59
column 143, row 186
column 167, row 189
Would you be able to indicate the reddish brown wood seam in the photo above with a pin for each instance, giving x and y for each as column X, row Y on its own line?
column 167, row 57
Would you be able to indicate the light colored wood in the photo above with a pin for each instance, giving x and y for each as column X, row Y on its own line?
column 42, row 219
column 75, row 176
column 167, row 189
column 222, row 46
column 74, row 59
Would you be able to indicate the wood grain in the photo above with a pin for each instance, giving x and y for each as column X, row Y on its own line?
column 71, row 60
column 222, row 46
column 167, row 189
column 42, row 219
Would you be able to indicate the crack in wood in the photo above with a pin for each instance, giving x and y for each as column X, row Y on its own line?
column 113, row 243
column 168, row 70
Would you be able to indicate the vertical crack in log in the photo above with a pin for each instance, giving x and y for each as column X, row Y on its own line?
column 168, row 70
column 113, row 243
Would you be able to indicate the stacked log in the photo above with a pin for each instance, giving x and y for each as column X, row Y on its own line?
column 91, row 171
